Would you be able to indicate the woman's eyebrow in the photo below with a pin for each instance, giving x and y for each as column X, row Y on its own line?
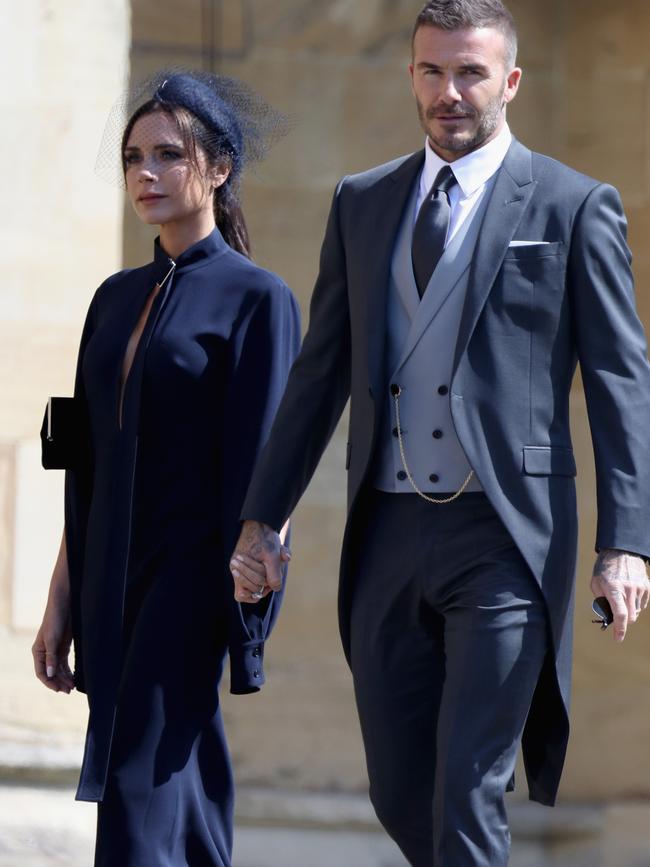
column 156, row 147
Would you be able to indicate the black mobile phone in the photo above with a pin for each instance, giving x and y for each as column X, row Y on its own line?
column 603, row 611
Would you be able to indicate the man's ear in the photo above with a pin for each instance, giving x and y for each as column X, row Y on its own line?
column 512, row 85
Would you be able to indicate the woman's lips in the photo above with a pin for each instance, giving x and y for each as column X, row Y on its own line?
column 151, row 197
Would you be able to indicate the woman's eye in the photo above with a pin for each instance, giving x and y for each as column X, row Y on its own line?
column 170, row 155
column 130, row 159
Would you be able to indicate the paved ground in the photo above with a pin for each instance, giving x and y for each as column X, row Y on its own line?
column 41, row 826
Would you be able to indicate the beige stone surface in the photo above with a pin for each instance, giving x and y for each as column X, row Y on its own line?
column 7, row 511
column 348, row 29
column 539, row 27
column 620, row 158
column 62, row 65
column 604, row 37
column 534, row 117
column 37, row 533
column 61, row 236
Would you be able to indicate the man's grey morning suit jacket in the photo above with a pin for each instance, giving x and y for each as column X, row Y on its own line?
column 530, row 313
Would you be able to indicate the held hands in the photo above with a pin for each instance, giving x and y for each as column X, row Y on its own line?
column 51, row 647
column 256, row 562
column 622, row 579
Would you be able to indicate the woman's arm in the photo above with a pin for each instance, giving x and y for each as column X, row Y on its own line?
column 51, row 647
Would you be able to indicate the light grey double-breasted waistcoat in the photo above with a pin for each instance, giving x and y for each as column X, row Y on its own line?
column 421, row 339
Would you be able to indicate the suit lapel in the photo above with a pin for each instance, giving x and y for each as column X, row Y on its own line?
column 512, row 191
column 392, row 196
column 403, row 279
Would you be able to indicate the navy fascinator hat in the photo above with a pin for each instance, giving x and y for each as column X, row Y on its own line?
column 235, row 120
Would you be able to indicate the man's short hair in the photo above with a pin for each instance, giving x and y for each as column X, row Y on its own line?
column 463, row 14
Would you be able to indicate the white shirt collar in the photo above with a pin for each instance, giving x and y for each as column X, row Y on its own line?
column 474, row 169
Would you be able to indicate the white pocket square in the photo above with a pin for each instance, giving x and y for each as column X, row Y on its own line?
column 527, row 243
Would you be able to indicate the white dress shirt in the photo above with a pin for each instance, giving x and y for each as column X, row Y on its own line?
column 472, row 172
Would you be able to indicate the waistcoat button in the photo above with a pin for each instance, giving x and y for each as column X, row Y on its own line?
column 437, row 434
column 434, row 477
column 443, row 389
column 402, row 476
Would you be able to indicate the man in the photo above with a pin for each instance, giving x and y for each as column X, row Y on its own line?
column 458, row 287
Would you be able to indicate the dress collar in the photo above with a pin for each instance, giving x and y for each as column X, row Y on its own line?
column 194, row 257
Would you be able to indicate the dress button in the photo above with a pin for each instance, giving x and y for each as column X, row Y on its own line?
column 437, row 434
column 395, row 389
column 402, row 476
column 395, row 433
column 257, row 652
column 443, row 389
column 434, row 477
column 256, row 673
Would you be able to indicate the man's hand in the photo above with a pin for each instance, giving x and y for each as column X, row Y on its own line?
column 622, row 578
column 256, row 562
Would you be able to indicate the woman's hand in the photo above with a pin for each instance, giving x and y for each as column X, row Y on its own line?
column 51, row 647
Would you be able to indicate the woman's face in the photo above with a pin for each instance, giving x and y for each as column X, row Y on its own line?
column 162, row 181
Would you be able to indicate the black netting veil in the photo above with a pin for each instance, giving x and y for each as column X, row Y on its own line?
column 235, row 119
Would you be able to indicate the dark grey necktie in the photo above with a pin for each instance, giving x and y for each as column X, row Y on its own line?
column 431, row 227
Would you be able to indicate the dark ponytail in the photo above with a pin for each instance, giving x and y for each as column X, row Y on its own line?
column 229, row 217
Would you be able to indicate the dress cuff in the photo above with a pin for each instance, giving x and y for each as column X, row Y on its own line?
column 247, row 667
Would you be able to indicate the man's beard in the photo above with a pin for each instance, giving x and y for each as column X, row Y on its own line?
column 459, row 141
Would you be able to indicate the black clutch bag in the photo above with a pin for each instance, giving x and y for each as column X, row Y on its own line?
column 64, row 434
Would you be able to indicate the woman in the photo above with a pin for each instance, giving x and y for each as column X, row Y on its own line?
column 181, row 366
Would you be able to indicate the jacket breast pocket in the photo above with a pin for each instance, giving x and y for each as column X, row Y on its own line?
column 528, row 291
column 549, row 461
column 534, row 251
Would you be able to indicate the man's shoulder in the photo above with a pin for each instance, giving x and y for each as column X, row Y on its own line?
column 371, row 177
column 547, row 168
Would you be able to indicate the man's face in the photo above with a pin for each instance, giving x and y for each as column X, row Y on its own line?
column 461, row 85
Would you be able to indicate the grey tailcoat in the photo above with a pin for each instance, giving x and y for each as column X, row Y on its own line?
column 531, row 313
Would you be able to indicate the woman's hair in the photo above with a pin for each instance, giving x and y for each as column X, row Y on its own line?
column 218, row 152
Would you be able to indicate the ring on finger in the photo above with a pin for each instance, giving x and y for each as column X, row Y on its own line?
column 258, row 594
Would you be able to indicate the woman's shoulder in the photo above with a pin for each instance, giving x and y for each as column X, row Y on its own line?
column 255, row 280
column 119, row 284
column 124, row 278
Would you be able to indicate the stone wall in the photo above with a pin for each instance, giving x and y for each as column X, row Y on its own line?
column 62, row 65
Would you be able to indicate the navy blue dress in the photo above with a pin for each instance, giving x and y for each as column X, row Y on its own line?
column 151, row 518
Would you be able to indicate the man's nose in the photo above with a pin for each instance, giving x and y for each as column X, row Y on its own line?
column 449, row 90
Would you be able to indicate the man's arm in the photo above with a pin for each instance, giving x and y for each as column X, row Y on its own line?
column 612, row 351
column 316, row 393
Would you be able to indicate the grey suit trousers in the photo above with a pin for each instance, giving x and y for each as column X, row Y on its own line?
column 449, row 632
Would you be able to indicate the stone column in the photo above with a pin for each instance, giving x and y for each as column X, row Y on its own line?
column 63, row 64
